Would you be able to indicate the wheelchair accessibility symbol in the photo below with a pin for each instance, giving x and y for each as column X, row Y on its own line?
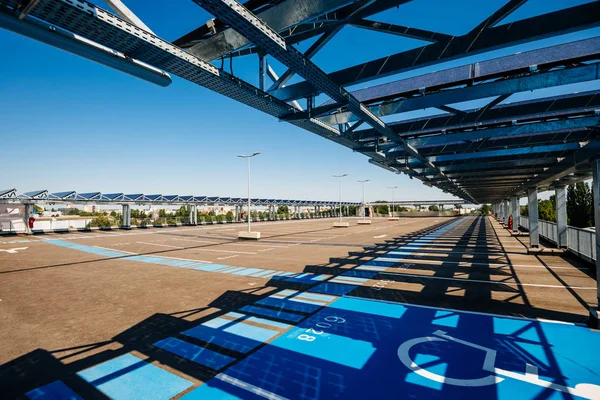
column 495, row 376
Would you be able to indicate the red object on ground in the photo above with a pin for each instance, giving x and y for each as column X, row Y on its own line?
column 31, row 221
column 510, row 222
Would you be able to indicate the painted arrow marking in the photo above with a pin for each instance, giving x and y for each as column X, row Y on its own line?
column 378, row 237
column 14, row 251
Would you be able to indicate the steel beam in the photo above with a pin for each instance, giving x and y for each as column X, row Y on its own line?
column 523, row 83
column 566, row 125
column 75, row 44
column 127, row 14
column 284, row 15
column 243, row 21
column 519, row 151
column 527, row 30
column 404, row 31
column 565, row 167
column 531, row 110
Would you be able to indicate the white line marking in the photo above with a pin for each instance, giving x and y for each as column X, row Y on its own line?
column 195, row 241
column 225, row 251
column 15, row 250
column 162, row 245
column 378, row 237
column 489, row 282
column 118, row 251
column 249, row 387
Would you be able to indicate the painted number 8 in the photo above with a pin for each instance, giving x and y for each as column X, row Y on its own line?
column 306, row 337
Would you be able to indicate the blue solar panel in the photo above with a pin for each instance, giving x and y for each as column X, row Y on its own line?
column 62, row 195
column 35, row 193
column 153, row 196
column 212, row 198
column 88, row 196
column 133, row 196
column 171, row 197
column 186, row 198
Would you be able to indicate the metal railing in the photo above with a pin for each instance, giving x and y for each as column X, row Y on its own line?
column 580, row 241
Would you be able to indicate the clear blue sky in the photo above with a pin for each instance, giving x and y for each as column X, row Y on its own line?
column 71, row 124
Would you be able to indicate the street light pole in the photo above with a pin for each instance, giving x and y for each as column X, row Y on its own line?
column 363, row 202
column 340, row 191
column 392, row 187
column 248, row 157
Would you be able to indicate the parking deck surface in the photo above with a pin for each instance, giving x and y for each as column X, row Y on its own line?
column 423, row 307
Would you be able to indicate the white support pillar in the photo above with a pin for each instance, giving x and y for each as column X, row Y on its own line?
column 505, row 216
column 561, row 216
column 595, row 322
column 126, row 222
column 534, row 228
column 192, row 210
column 514, row 208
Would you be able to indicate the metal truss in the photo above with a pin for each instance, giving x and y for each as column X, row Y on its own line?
column 73, row 197
column 480, row 155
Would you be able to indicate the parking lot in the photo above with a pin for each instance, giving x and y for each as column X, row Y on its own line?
column 80, row 307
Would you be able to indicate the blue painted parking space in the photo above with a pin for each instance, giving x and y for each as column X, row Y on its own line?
column 53, row 391
column 128, row 377
column 357, row 349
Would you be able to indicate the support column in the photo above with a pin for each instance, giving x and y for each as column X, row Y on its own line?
column 534, row 228
column 514, row 208
column 191, row 216
column 126, row 221
column 561, row 217
column 28, row 213
column 596, row 207
column 505, row 201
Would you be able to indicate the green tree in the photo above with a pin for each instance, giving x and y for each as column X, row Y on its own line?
column 102, row 221
column 525, row 211
column 485, row 209
column 162, row 213
column 229, row 216
column 580, row 205
column 283, row 210
column 547, row 210
column 434, row 208
column 113, row 214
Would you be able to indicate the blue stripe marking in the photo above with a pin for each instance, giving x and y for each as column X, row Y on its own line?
column 53, row 391
column 289, row 305
column 263, row 273
column 248, row 271
column 319, row 297
column 336, row 289
column 269, row 322
column 194, row 353
column 129, row 378
column 267, row 312
column 251, row 331
column 212, row 267
column 217, row 322
column 236, row 269
column 360, row 274
column 224, row 339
